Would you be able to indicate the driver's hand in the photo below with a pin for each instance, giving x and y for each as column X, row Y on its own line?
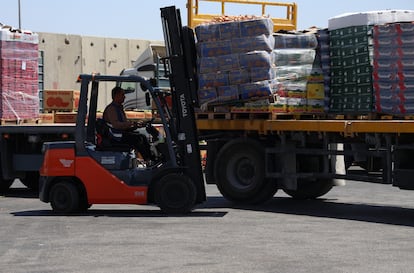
column 138, row 124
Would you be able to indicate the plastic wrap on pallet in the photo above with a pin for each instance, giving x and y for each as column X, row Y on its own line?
column 256, row 27
column 228, row 62
column 261, row 73
column 283, row 57
column 315, row 105
column 239, row 76
column 295, row 41
column 209, row 80
column 258, row 58
column 234, row 29
column 228, row 93
column 293, row 72
column 256, row 89
column 285, row 86
column 234, row 46
column 207, row 95
column 370, row 18
column 207, row 64
column 18, row 75
column 254, row 43
column 214, row 48
column 393, row 68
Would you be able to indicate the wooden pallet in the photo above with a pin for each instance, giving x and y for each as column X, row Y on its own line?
column 298, row 116
column 18, row 121
column 251, row 115
column 212, row 115
column 261, row 115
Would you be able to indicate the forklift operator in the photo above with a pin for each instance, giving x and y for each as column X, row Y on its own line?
column 121, row 129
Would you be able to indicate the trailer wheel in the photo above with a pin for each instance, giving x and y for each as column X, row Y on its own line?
column 240, row 170
column 31, row 180
column 64, row 197
column 175, row 194
column 310, row 188
column 265, row 194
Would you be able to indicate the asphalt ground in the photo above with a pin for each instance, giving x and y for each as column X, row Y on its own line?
column 360, row 227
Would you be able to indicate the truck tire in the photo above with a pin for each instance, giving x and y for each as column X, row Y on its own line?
column 175, row 194
column 64, row 197
column 310, row 188
column 31, row 180
column 240, row 170
column 265, row 194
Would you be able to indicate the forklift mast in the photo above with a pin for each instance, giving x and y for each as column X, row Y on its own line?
column 181, row 62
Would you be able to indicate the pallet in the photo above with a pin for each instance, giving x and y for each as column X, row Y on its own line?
column 370, row 116
column 298, row 116
column 212, row 115
column 18, row 121
column 260, row 115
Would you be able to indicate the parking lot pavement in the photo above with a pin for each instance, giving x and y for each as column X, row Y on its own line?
column 361, row 227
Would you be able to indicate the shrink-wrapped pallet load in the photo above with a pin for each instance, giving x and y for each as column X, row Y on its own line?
column 234, row 60
column 393, row 68
column 324, row 59
column 19, row 98
column 297, row 90
column 352, row 61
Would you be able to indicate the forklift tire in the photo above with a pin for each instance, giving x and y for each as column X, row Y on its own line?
column 64, row 197
column 175, row 194
column 240, row 172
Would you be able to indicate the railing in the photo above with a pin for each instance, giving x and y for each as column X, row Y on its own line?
column 289, row 22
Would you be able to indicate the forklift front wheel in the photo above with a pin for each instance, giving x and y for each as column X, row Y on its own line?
column 64, row 197
column 175, row 194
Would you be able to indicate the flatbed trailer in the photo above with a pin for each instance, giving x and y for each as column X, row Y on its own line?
column 249, row 159
column 21, row 150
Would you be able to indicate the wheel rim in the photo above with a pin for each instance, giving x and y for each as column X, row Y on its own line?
column 242, row 172
column 61, row 198
column 175, row 195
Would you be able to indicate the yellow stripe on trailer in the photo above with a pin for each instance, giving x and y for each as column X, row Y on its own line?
column 345, row 127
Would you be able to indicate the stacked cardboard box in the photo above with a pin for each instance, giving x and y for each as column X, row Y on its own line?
column 235, row 60
column 351, row 57
column 351, row 69
column 18, row 75
column 394, row 68
column 61, row 100
column 323, row 56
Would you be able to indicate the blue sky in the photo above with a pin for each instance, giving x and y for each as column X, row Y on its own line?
column 140, row 19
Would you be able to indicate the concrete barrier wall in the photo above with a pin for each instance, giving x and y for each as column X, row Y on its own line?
column 67, row 56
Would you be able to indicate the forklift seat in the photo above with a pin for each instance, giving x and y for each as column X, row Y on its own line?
column 104, row 141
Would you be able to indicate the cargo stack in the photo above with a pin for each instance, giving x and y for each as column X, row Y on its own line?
column 394, row 68
column 299, row 85
column 235, row 61
column 18, row 75
column 351, row 56
column 323, row 57
column 351, row 69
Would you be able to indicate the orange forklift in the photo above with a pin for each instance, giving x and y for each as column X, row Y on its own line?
column 91, row 170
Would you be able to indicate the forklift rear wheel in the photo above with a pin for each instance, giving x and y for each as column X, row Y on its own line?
column 64, row 197
column 175, row 194
column 240, row 171
column 310, row 188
